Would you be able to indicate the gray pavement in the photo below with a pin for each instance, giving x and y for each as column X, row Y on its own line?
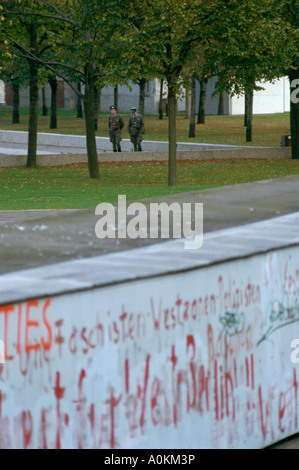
column 103, row 147
column 15, row 143
column 13, row 148
column 35, row 238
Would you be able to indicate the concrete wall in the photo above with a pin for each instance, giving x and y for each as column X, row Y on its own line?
column 67, row 159
column 156, row 348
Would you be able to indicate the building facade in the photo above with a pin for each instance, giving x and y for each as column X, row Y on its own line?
column 275, row 98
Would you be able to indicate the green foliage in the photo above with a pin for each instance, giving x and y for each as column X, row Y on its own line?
column 257, row 41
column 110, row 42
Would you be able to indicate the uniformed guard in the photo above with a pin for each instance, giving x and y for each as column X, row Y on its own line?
column 115, row 125
column 136, row 129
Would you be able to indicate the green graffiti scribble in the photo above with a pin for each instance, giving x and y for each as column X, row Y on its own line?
column 279, row 316
column 233, row 323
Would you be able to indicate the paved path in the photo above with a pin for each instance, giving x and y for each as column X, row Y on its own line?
column 35, row 238
column 15, row 143
column 21, row 149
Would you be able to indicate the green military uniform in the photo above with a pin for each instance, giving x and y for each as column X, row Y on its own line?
column 115, row 125
column 136, row 129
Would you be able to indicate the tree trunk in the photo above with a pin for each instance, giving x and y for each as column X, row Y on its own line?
column 16, row 103
column 97, row 106
column 54, row 85
column 202, row 101
column 188, row 103
column 79, row 102
column 245, row 109
column 33, row 115
column 142, row 85
column 294, row 111
column 192, row 108
column 249, row 116
column 116, row 96
column 172, row 104
column 44, row 102
column 221, row 103
column 93, row 164
column 160, row 100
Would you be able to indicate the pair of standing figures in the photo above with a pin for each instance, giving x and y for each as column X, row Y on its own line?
column 135, row 129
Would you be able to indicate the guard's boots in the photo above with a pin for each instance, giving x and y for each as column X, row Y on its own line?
column 139, row 148
column 135, row 149
column 119, row 148
column 114, row 149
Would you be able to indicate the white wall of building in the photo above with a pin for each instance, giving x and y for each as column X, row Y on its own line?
column 275, row 98
column 212, row 102
column 2, row 92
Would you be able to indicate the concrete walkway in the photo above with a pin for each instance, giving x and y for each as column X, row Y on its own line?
column 35, row 238
column 15, row 143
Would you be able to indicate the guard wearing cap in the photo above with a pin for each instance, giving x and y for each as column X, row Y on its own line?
column 115, row 125
column 136, row 129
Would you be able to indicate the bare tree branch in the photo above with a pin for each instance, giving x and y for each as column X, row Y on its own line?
column 290, row 8
column 29, row 56
column 62, row 15
column 61, row 64
column 42, row 15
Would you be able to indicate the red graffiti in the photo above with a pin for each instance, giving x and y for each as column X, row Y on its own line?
column 32, row 321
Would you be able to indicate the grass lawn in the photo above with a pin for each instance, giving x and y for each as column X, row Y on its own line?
column 70, row 187
column 228, row 130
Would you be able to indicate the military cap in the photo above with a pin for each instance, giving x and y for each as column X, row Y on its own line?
column 112, row 107
column 133, row 109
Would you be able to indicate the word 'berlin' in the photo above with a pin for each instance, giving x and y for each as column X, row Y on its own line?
column 147, row 221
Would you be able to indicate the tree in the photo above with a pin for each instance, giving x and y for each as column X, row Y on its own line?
column 97, row 104
column 193, row 107
column 161, row 100
column 29, row 39
column 263, row 48
column 79, row 101
column 44, row 101
column 221, row 103
column 52, row 79
column 170, row 29
column 290, row 20
column 14, row 73
column 142, row 87
column 174, row 29
column 202, row 100
column 196, row 68
column 83, row 34
column 15, row 84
